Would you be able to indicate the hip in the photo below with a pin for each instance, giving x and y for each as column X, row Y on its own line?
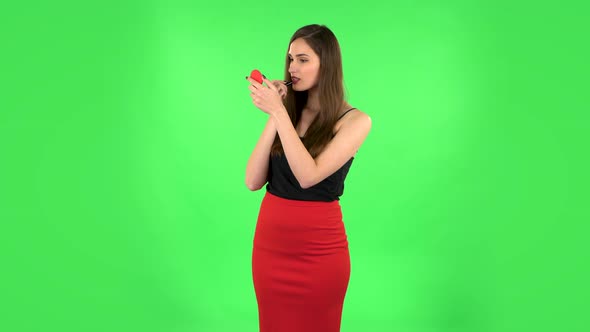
column 290, row 226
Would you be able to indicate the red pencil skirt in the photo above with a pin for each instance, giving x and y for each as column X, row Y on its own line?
column 300, row 265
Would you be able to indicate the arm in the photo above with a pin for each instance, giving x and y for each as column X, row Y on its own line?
column 257, row 167
column 341, row 148
column 307, row 170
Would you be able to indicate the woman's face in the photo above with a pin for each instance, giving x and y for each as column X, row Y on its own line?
column 304, row 65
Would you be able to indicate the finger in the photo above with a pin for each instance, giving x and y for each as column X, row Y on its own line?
column 255, row 96
column 255, row 99
column 269, row 84
column 283, row 91
column 254, row 83
column 282, row 86
column 278, row 83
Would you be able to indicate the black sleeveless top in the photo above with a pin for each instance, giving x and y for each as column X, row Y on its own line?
column 282, row 181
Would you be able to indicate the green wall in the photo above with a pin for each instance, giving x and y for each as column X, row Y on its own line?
column 125, row 128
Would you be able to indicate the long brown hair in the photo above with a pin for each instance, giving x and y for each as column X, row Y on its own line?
column 330, row 89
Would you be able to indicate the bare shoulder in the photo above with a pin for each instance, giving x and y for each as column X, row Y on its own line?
column 356, row 121
column 360, row 117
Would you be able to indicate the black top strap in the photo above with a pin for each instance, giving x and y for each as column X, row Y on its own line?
column 343, row 114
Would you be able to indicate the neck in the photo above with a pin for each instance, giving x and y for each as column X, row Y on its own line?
column 313, row 101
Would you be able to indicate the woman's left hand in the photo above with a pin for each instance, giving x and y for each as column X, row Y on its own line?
column 265, row 97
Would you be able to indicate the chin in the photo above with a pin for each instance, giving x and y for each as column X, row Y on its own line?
column 297, row 88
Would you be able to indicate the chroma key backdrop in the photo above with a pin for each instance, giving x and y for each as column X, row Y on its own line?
column 125, row 128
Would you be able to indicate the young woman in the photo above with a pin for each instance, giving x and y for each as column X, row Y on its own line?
column 300, row 261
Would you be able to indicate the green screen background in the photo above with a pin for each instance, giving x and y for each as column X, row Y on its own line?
column 125, row 128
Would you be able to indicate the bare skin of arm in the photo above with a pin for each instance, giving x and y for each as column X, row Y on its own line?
column 307, row 170
column 257, row 167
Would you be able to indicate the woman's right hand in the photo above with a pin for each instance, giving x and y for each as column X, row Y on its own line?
column 281, row 87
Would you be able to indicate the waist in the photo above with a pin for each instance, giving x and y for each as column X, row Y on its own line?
column 312, row 227
column 307, row 195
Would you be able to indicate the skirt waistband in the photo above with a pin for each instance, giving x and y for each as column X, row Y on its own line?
column 293, row 202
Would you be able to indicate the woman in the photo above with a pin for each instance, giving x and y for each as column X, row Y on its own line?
column 300, row 261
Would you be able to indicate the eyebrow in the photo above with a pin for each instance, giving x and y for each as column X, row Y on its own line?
column 300, row 54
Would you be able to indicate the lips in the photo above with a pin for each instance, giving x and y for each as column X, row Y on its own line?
column 295, row 79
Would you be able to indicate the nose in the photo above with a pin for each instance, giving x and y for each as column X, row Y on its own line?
column 292, row 67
